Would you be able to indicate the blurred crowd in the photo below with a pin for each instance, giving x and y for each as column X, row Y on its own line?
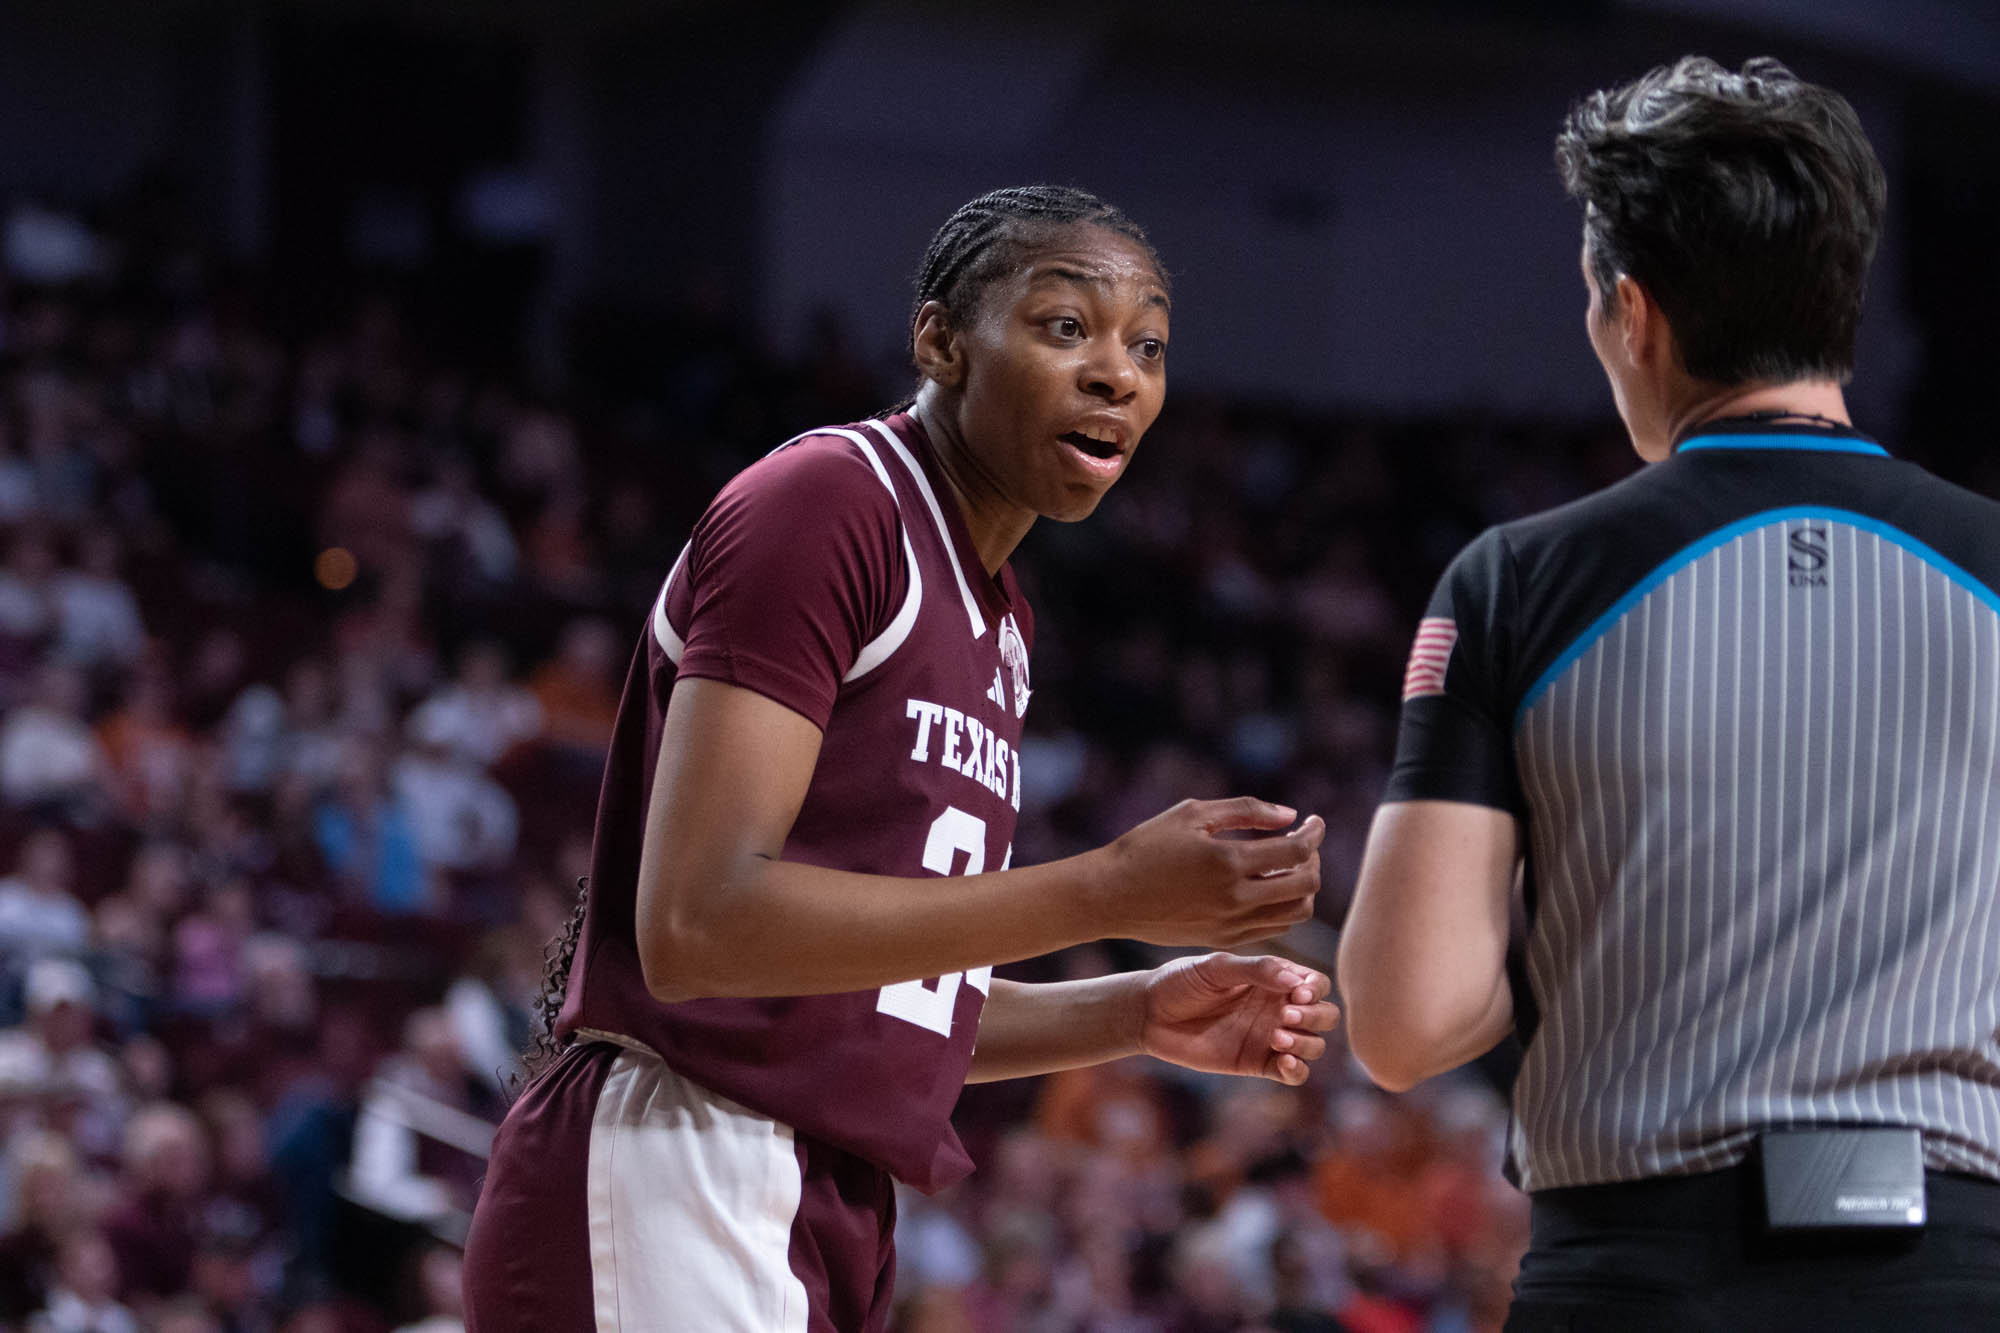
column 311, row 638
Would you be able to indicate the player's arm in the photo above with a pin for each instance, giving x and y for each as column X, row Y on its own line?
column 719, row 913
column 1221, row 1014
column 1422, row 962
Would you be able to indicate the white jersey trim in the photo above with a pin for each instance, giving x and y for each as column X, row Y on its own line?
column 691, row 1199
column 877, row 650
column 672, row 644
column 972, row 611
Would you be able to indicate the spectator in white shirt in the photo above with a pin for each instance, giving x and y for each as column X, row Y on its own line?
column 39, row 913
column 463, row 819
column 311, row 745
column 463, row 526
column 47, row 754
column 97, row 617
column 424, row 1128
column 483, row 712
column 52, row 1070
column 85, row 1296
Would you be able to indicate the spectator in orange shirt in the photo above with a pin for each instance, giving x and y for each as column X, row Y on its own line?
column 578, row 687
column 150, row 753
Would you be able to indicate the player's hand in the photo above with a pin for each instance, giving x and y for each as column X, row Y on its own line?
column 1181, row 878
column 1227, row 1014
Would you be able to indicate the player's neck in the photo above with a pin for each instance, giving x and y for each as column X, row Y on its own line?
column 1808, row 401
column 995, row 525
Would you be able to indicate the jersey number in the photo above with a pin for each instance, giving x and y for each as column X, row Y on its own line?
column 928, row 1004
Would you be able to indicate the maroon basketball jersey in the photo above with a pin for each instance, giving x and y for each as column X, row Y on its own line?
column 836, row 576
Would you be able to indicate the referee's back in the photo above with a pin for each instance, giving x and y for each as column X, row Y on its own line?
column 1732, row 724
column 1756, row 702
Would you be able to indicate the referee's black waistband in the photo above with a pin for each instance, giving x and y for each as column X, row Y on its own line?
column 1731, row 1197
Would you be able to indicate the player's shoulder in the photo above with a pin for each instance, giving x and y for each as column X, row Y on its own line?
column 829, row 465
column 825, row 483
column 821, row 501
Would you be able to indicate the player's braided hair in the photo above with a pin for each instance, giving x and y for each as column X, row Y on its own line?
column 557, row 956
column 991, row 235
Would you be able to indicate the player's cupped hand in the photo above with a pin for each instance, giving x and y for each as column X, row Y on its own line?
column 1209, row 873
column 1224, row 1013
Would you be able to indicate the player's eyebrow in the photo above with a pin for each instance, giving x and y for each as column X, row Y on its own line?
column 1086, row 278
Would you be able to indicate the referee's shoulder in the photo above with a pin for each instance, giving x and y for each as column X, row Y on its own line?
column 1603, row 515
column 1665, row 506
column 1600, row 543
column 1921, row 486
column 1958, row 522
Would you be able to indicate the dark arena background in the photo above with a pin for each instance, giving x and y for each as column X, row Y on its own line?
column 363, row 366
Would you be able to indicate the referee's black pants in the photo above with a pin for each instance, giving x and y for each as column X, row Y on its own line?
column 1689, row 1254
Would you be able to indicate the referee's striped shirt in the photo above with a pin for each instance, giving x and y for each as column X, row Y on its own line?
column 1747, row 704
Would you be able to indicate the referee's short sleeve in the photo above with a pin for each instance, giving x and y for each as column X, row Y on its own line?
column 1455, row 742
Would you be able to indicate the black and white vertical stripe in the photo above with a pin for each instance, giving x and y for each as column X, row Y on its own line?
column 1766, row 839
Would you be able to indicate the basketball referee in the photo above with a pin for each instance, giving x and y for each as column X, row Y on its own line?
column 1734, row 726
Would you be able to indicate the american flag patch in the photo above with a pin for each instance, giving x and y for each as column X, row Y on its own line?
column 1428, row 657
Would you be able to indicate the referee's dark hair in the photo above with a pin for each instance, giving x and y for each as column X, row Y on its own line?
column 1746, row 204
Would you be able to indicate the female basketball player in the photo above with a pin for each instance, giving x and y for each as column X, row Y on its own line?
column 800, row 878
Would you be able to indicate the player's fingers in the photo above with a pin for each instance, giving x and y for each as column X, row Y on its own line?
column 1242, row 812
column 1286, row 1068
column 1304, row 1045
column 1279, row 895
column 1312, row 985
column 1283, row 871
column 1289, row 849
column 1266, row 972
column 1294, row 847
column 1311, row 831
column 1321, row 986
column 1258, row 932
column 1266, row 920
column 1319, row 1017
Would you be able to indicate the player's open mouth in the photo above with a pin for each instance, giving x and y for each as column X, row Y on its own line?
column 1103, row 450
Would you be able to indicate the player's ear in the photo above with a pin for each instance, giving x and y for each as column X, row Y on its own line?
column 935, row 345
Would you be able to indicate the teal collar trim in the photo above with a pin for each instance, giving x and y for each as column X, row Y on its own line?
column 1830, row 444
